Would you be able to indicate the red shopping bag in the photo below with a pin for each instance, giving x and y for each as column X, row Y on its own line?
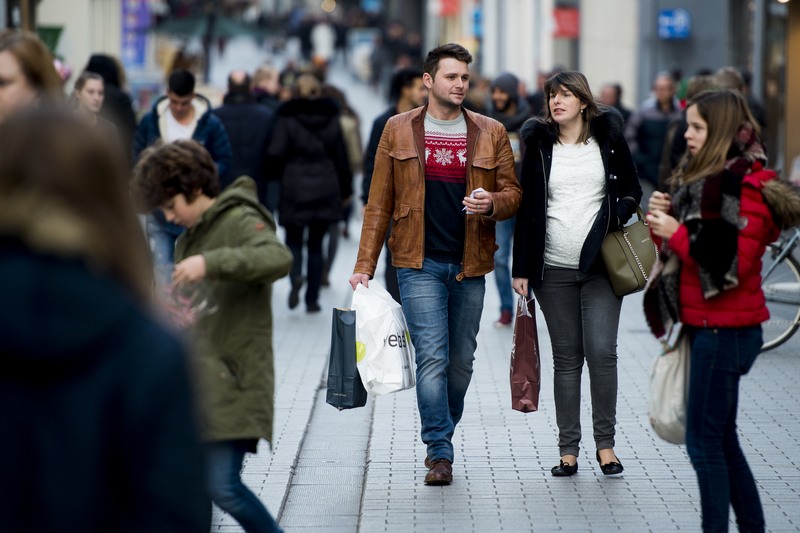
column 526, row 372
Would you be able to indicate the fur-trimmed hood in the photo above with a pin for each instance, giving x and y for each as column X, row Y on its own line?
column 783, row 199
column 607, row 125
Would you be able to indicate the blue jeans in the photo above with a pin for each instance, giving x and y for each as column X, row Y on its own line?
column 720, row 357
column 224, row 463
column 582, row 315
column 443, row 316
column 504, row 234
column 162, row 236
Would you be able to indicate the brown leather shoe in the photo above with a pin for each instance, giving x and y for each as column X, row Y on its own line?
column 440, row 473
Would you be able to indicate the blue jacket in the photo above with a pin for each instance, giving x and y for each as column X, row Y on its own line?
column 209, row 131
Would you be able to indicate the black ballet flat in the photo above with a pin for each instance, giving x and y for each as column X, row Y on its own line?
column 564, row 469
column 610, row 469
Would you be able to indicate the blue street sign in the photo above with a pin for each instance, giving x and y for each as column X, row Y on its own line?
column 674, row 24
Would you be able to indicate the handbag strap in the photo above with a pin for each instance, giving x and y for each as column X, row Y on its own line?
column 640, row 214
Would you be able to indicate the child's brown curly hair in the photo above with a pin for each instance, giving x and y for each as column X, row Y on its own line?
column 166, row 170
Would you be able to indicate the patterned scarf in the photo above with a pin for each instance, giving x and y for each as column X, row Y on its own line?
column 709, row 209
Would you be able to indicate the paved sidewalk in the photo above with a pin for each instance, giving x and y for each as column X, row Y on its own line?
column 361, row 470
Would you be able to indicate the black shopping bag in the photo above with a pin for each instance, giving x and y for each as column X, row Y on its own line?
column 345, row 389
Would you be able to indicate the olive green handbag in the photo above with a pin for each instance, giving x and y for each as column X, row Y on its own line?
column 629, row 255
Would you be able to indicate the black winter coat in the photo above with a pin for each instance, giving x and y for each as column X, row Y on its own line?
column 249, row 127
column 310, row 155
column 623, row 193
column 117, row 104
column 372, row 149
column 95, row 406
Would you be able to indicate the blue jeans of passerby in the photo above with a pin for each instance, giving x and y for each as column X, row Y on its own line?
column 162, row 236
column 504, row 234
column 443, row 316
column 720, row 357
column 582, row 315
column 224, row 464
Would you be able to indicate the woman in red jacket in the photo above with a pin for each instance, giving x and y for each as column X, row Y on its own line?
column 723, row 212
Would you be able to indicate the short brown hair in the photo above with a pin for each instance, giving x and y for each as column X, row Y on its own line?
column 181, row 167
column 456, row 51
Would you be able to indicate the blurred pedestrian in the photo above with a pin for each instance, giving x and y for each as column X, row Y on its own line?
column 537, row 100
column 579, row 183
column 611, row 95
column 27, row 73
column 407, row 92
column 232, row 248
column 267, row 86
column 117, row 103
column 724, row 209
column 180, row 114
column 444, row 202
column 98, row 421
column 351, row 131
column 311, row 157
column 88, row 95
column 510, row 110
column 249, row 128
column 674, row 141
column 646, row 130
column 323, row 41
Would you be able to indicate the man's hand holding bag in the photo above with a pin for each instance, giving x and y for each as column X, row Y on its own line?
column 385, row 354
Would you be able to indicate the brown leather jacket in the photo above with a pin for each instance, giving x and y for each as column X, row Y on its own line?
column 398, row 191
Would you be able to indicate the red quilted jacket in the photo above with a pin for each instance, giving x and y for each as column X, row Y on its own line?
column 743, row 305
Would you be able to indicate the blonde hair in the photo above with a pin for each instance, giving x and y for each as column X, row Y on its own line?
column 307, row 86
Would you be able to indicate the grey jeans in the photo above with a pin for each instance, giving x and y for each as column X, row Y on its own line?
column 582, row 315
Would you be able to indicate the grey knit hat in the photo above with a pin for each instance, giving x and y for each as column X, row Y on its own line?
column 509, row 84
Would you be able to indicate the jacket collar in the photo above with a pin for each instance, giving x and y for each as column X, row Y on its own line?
column 418, row 127
column 607, row 125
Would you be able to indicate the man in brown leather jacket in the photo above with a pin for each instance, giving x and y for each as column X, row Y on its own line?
column 445, row 176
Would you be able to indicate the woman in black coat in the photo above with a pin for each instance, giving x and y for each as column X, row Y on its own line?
column 579, row 183
column 309, row 152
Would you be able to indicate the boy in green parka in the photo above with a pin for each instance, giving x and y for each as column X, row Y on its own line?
column 230, row 244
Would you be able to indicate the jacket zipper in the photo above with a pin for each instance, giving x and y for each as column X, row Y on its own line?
column 424, row 192
column 463, row 274
column 544, row 186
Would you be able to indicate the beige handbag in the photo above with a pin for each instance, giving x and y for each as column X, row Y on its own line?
column 629, row 255
column 669, row 390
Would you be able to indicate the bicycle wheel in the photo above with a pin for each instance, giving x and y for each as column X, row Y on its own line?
column 782, row 291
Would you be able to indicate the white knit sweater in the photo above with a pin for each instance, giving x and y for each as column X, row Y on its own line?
column 575, row 192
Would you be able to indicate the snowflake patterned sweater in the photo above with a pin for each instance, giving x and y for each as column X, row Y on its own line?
column 445, row 188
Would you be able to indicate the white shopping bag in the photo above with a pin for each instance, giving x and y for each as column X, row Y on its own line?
column 384, row 353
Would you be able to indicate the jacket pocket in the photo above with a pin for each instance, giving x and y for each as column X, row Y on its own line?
column 407, row 233
column 241, row 353
column 403, row 154
column 483, row 172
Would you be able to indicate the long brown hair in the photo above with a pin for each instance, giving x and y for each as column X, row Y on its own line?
column 578, row 85
column 35, row 62
column 725, row 113
column 63, row 191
